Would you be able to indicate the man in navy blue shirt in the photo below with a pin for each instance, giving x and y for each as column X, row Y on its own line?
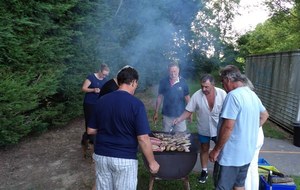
column 121, row 125
column 173, row 93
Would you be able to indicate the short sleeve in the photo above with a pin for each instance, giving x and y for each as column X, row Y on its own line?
column 230, row 108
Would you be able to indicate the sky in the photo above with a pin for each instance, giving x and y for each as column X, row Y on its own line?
column 252, row 13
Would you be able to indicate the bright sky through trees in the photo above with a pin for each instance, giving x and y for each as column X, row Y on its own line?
column 252, row 13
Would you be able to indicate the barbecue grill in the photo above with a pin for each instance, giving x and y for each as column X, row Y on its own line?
column 175, row 165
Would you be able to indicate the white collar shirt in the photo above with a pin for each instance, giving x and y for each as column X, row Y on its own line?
column 207, row 120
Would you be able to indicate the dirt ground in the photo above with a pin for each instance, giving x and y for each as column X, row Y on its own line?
column 53, row 160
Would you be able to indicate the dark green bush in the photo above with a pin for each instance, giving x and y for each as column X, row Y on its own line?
column 45, row 54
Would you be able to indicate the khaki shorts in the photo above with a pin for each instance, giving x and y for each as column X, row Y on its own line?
column 168, row 123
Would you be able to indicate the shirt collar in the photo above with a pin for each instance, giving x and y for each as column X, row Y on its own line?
column 172, row 84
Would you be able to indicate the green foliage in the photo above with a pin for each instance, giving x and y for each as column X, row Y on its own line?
column 153, row 37
column 45, row 54
column 24, row 104
column 279, row 33
column 297, row 180
column 47, row 48
column 211, row 33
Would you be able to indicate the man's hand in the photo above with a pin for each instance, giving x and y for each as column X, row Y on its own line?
column 146, row 147
column 176, row 121
column 154, row 167
column 213, row 155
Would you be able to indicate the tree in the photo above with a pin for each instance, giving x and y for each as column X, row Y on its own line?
column 279, row 33
column 46, row 49
column 212, row 34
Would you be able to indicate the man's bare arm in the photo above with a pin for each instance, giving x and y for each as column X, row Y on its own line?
column 224, row 134
column 146, row 147
column 263, row 117
column 186, row 114
column 91, row 131
column 159, row 100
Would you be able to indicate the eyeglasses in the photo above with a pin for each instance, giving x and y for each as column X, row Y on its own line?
column 105, row 73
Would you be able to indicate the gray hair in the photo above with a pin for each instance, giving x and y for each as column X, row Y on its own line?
column 248, row 83
column 233, row 74
column 173, row 64
column 208, row 77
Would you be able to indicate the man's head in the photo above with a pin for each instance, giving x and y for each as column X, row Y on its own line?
column 173, row 71
column 230, row 76
column 128, row 75
column 207, row 82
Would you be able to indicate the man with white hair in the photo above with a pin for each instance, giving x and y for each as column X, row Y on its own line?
column 173, row 93
column 241, row 116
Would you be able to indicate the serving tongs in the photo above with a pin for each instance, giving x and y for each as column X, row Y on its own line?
column 171, row 129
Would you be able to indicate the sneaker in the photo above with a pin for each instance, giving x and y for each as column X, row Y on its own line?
column 203, row 177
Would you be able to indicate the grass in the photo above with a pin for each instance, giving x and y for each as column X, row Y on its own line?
column 143, row 182
column 272, row 130
column 297, row 180
column 148, row 97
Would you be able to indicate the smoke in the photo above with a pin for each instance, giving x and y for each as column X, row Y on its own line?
column 148, row 35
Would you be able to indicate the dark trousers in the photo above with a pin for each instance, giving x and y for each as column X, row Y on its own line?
column 88, row 111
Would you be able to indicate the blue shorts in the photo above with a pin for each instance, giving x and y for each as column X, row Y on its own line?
column 206, row 139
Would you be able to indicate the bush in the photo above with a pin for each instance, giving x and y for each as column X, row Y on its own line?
column 43, row 63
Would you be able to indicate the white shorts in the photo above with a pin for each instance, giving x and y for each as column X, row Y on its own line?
column 252, row 179
column 115, row 173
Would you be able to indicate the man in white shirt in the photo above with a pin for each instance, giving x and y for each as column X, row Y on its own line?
column 206, row 103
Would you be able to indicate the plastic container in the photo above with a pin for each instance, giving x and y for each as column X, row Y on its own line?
column 263, row 162
column 263, row 185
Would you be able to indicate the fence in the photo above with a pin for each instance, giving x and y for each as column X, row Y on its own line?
column 276, row 77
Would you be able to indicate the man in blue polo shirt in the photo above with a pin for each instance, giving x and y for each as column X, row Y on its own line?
column 173, row 93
